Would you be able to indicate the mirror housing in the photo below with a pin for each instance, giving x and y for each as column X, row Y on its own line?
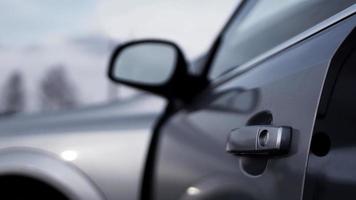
column 130, row 64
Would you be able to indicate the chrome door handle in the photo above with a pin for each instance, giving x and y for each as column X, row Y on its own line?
column 259, row 140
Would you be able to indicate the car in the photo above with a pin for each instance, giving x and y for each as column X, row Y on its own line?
column 268, row 114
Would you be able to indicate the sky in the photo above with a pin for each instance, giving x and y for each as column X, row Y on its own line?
column 192, row 24
column 32, row 21
column 79, row 34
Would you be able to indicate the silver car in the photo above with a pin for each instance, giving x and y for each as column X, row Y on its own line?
column 268, row 113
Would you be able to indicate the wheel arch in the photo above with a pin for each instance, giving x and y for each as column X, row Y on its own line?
column 44, row 167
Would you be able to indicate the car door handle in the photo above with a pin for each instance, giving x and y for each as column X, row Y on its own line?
column 259, row 140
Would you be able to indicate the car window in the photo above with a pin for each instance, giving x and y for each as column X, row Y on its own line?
column 268, row 24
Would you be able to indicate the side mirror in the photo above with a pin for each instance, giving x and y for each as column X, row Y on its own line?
column 153, row 65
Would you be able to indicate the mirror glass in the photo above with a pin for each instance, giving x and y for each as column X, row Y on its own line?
column 145, row 63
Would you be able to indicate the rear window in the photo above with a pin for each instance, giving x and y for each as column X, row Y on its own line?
column 268, row 24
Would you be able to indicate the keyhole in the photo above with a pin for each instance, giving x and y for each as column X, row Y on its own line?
column 263, row 137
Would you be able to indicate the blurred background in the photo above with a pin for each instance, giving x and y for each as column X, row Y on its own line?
column 54, row 54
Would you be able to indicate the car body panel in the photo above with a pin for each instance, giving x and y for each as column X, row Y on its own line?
column 107, row 145
column 191, row 159
column 42, row 166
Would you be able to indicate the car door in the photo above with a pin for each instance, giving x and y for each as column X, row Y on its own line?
column 268, row 72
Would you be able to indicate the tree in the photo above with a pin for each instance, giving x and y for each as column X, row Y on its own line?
column 57, row 92
column 14, row 94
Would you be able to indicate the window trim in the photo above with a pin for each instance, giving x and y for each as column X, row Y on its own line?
column 349, row 11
